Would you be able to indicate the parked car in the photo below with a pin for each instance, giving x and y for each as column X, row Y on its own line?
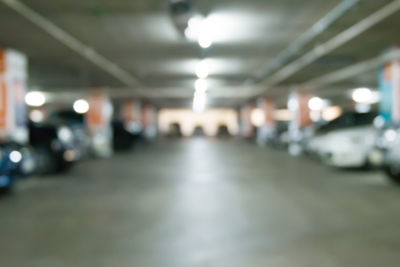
column 11, row 158
column 388, row 144
column 125, row 136
column 54, row 145
column 75, row 122
column 279, row 137
column 346, row 142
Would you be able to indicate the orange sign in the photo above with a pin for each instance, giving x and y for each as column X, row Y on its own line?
column 13, row 71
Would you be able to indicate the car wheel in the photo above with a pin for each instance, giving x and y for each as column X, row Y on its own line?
column 393, row 173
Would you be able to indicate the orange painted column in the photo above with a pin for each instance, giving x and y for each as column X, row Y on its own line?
column 149, row 121
column 268, row 107
column 13, row 79
column 247, row 130
column 98, row 121
column 266, row 130
column 298, row 105
column 131, row 114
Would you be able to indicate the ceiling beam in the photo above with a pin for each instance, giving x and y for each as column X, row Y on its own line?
column 87, row 52
column 327, row 47
column 301, row 42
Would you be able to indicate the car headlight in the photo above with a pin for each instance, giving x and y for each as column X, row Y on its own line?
column 390, row 135
column 15, row 156
column 64, row 134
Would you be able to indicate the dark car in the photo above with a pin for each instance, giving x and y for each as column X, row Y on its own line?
column 125, row 136
column 76, row 122
column 54, row 146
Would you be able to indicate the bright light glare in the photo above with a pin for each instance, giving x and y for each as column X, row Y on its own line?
column 81, row 106
column 316, row 104
column 35, row 99
column 36, row 115
column 194, row 27
column 257, row 117
column 331, row 113
column 65, row 134
column 205, row 38
column 199, row 101
column 201, row 85
column 202, row 69
column 365, row 96
column 199, row 29
column 391, row 135
column 15, row 156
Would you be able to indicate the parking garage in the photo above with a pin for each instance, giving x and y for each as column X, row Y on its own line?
column 199, row 133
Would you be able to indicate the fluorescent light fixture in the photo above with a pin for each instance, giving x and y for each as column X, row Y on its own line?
column 200, row 30
column 205, row 38
column 199, row 101
column 81, row 106
column 35, row 99
column 257, row 117
column 202, row 69
column 365, row 96
column 316, row 104
column 201, row 85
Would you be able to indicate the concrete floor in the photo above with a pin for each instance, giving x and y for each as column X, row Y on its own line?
column 202, row 203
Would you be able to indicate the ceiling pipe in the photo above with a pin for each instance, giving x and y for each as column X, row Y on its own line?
column 295, row 47
column 351, row 71
column 332, row 44
column 76, row 45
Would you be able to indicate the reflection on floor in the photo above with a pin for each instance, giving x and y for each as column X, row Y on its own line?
column 202, row 202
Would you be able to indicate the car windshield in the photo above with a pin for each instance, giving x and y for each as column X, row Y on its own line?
column 348, row 120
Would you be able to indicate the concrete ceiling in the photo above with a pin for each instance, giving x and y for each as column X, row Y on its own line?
column 141, row 38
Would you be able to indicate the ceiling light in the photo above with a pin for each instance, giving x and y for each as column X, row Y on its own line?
column 191, row 34
column 195, row 22
column 201, row 85
column 202, row 69
column 199, row 101
column 257, row 117
column 81, row 106
column 316, row 104
column 193, row 29
column 205, row 40
column 365, row 96
column 35, row 99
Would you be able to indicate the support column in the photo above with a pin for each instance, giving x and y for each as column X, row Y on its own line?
column 389, row 84
column 131, row 114
column 267, row 129
column 98, row 120
column 300, row 127
column 149, row 121
column 247, row 130
column 13, row 79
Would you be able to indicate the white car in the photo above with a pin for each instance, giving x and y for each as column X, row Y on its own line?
column 346, row 142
